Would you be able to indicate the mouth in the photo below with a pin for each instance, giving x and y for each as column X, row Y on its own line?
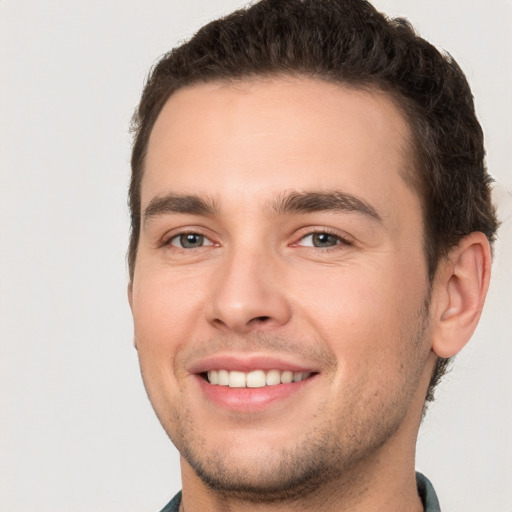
column 255, row 378
column 253, row 390
column 249, row 383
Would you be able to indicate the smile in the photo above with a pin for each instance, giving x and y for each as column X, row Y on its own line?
column 255, row 378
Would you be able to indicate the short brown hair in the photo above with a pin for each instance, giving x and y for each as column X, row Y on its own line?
column 346, row 42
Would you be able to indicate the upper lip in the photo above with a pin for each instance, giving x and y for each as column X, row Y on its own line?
column 250, row 362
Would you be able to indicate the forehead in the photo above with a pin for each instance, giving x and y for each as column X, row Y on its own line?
column 258, row 137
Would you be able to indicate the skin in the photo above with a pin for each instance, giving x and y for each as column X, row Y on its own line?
column 358, row 310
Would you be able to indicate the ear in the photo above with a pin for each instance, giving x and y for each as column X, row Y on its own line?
column 459, row 291
column 129, row 292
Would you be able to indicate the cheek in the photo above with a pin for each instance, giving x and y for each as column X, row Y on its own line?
column 163, row 320
column 374, row 332
column 162, row 305
column 368, row 318
column 166, row 311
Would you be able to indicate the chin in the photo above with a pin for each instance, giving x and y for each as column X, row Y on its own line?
column 274, row 477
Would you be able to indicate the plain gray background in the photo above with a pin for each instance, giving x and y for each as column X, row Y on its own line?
column 76, row 430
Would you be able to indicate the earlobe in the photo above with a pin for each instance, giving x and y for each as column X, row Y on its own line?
column 460, row 288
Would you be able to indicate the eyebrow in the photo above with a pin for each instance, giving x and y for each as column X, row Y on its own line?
column 310, row 202
column 174, row 203
column 287, row 203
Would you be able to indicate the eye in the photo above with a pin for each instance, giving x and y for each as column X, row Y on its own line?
column 321, row 239
column 189, row 241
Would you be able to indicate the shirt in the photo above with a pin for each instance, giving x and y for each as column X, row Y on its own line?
column 425, row 490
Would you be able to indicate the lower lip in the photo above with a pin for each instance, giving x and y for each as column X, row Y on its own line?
column 250, row 399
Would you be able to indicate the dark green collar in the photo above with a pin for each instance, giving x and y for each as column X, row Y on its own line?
column 427, row 493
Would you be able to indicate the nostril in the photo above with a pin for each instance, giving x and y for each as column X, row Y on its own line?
column 261, row 319
column 252, row 322
column 219, row 323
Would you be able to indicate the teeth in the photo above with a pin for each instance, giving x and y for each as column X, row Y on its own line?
column 223, row 379
column 286, row 377
column 237, row 380
column 273, row 377
column 254, row 379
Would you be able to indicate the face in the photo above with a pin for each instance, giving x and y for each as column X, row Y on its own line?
column 279, row 295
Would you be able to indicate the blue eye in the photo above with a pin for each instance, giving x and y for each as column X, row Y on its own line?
column 320, row 240
column 190, row 241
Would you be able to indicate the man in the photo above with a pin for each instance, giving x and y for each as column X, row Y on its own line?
column 311, row 233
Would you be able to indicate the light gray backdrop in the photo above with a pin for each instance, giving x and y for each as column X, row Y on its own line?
column 76, row 430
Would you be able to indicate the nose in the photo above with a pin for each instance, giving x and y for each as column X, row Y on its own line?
column 247, row 294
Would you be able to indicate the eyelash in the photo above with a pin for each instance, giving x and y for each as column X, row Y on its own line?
column 339, row 240
column 168, row 240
